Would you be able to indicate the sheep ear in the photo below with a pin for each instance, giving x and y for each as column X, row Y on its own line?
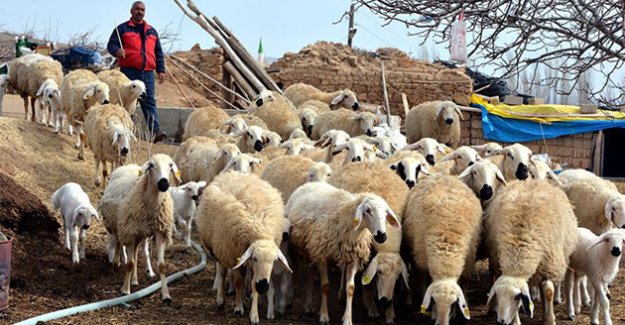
column 281, row 259
column 500, row 177
column 404, row 275
column 448, row 157
column 492, row 295
column 201, row 184
column 441, row 148
column 423, row 169
column 465, row 176
column 256, row 161
column 528, row 305
column 462, row 304
column 338, row 98
column 241, row 260
column 40, row 91
column 176, row 172
column 439, row 110
column 358, row 117
column 393, row 166
column 97, row 216
column 146, row 166
column 339, row 148
column 239, row 133
column 360, row 211
column 457, row 109
column 370, row 271
column 228, row 165
column 89, row 93
column 392, row 220
column 427, row 299
column 115, row 136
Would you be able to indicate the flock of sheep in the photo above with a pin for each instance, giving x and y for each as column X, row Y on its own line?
column 309, row 181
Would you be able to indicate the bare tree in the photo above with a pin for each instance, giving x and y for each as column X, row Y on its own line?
column 570, row 36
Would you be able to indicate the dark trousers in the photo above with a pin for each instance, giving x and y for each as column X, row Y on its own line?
column 148, row 105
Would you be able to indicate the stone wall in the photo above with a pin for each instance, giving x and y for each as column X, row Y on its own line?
column 208, row 61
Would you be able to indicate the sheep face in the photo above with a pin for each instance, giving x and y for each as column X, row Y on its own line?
column 334, row 138
column 260, row 256
column 610, row 243
column 253, row 138
column 540, row 170
column 375, row 212
column 483, row 178
column 346, row 98
column 357, row 151
column 367, row 121
column 516, row 161
column 488, row 149
column 444, row 294
column 318, row 172
column 49, row 94
column 428, row 148
column 136, row 89
column 272, row 139
column 243, row 163
column 98, row 91
column 447, row 113
column 192, row 190
column 235, row 124
column 308, row 118
column 509, row 294
column 409, row 168
column 295, row 146
column 388, row 267
column 121, row 140
column 615, row 211
column 83, row 215
column 162, row 171
column 264, row 97
column 463, row 157
column 382, row 143
column 226, row 152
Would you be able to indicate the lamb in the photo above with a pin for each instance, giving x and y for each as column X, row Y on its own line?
column 287, row 173
column 442, row 225
column 201, row 159
column 539, row 249
column 243, row 163
column 484, row 178
column 51, row 96
column 147, row 211
column 185, row 199
column 353, row 123
column 239, row 219
column 109, row 132
column 123, row 91
column 300, row 93
column 597, row 207
column 439, row 120
column 598, row 258
column 429, row 148
column 203, row 119
column 279, row 115
column 487, row 149
column 327, row 226
column 577, row 174
column 513, row 161
column 77, row 213
column 387, row 264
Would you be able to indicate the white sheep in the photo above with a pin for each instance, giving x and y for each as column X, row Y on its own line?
column 531, row 231
column 539, row 169
column 409, row 168
column 351, row 122
column 333, row 225
column 597, row 207
column 357, row 151
column 429, row 148
column 578, row 174
column 296, row 146
column 242, row 121
column 201, row 158
column 123, row 91
column 205, row 119
column 287, row 173
column 279, row 115
column 185, row 199
column 442, row 225
column 239, row 219
column 596, row 257
column 300, row 93
column 251, row 139
column 243, row 163
column 272, row 139
column 50, row 95
column 513, row 161
column 439, row 120
column 77, row 213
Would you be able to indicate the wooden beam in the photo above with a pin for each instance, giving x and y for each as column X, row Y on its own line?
column 404, row 99
column 245, row 86
column 386, row 103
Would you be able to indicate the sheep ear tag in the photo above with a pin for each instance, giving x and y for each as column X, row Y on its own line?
column 392, row 220
column 178, row 173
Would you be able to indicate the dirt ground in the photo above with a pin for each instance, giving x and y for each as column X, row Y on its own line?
column 44, row 279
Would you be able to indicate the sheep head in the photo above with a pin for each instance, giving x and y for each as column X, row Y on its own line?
column 447, row 113
column 271, row 139
column 463, row 157
column 226, row 152
column 383, row 143
column 121, row 139
column 319, row 172
column 610, row 243
column 296, row 146
column 509, row 294
column 308, row 118
column 82, row 216
column 235, row 124
column 487, row 149
column 385, row 269
column 193, row 189
column 444, row 293
column 376, row 213
column 136, row 88
column 357, row 151
column 483, row 178
column 162, row 171
column 428, row 148
column 516, row 161
column 253, row 138
column 366, row 121
column 264, row 97
column 243, row 163
column 615, row 210
column 346, row 98
column 334, row 138
column 298, row 134
column 540, row 170
column 49, row 94
column 96, row 91
column 260, row 257
column 409, row 168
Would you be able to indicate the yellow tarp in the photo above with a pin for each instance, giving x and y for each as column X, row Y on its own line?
column 544, row 113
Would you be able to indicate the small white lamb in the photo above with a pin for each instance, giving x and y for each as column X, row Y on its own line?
column 185, row 201
column 77, row 212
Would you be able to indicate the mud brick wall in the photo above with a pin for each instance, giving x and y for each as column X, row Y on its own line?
column 209, row 61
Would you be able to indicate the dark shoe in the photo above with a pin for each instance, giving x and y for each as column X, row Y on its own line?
column 160, row 137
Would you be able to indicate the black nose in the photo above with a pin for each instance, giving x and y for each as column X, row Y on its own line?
column 410, row 183
column 163, row 185
column 355, row 159
column 124, row 151
column 50, row 96
column 616, row 252
column 471, row 163
column 309, row 130
column 258, row 145
column 285, row 236
column 380, row 237
column 85, row 227
column 430, row 159
column 143, row 96
column 106, row 102
column 448, row 121
column 194, row 197
column 369, row 133
column 259, row 102
column 486, row 192
column 385, row 303
column 356, row 106
column 262, row 286
column 521, row 172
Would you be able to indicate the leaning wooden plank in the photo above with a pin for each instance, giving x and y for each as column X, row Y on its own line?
column 245, row 86
column 386, row 103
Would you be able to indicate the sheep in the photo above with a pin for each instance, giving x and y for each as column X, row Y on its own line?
column 51, row 96
column 576, row 174
column 484, row 178
column 327, row 226
column 201, row 159
column 4, row 84
column 123, row 91
column 428, row 147
column 185, row 198
column 242, row 121
column 598, row 258
column 353, row 123
column 531, row 231
column 203, row 119
column 409, row 168
column 442, row 225
column 357, row 151
column 597, row 207
column 81, row 89
column 382, row 143
column 109, row 132
column 308, row 113
column 147, row 211
column 287, row 173
column 439, row 120
column 300, row 93
column 378, row 179
column 513, row 161
column 330, row 140
column 251, row 139
column 77, row 213
column 279, row 115
column 487, row 149
column 27, row 74
column 239, row 219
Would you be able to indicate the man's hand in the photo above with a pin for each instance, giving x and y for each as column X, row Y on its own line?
column 161, row 77
column 121, row 54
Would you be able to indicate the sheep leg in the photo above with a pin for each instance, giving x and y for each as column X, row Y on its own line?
column 110, row 247
column 104, row 174
column 78, row 133
column 342, row 285
column 570, row 289
column 25, row 99
column 285, row 287
column 73, row 235
column 254, row 319
column 271, row 295
column 324, row 318
column 548, row 292
column 584, row 291
column 70, row 128
column 310, row 287
column 220, row 285
column 161, row 241
column 188, row 234
column 390, row 314
column 81, row 143
column 135, row 278
column 132, row 247
column 601, row 300
column 238, row 285
column 369, row 301
column 558, row 294
column 81, row 244
column 148, row 260
column 67, row 244
column 350, row 287
column 218, row 276
column 98, row 181
column 577, row 296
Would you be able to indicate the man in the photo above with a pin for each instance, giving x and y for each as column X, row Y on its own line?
column 139, row 56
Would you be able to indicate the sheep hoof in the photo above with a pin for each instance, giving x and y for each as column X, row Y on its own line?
column 220, row 307
column 238, row 313
column 167, row 301
column 151, row 274
column 81, row 157
column 98, row 183
column 572, row 317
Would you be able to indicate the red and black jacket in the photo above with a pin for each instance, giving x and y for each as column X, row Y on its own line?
column 142, row 47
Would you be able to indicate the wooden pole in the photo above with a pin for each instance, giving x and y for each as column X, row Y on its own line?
column 180, row 88
column 351, row 31
column 245, row 86
column 386, row 104
column 404, row 99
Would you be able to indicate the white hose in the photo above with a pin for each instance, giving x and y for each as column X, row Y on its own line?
column 120, row 300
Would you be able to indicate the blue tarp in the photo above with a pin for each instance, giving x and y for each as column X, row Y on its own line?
column 500, row 129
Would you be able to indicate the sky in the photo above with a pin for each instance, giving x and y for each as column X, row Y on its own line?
column 285, row 26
